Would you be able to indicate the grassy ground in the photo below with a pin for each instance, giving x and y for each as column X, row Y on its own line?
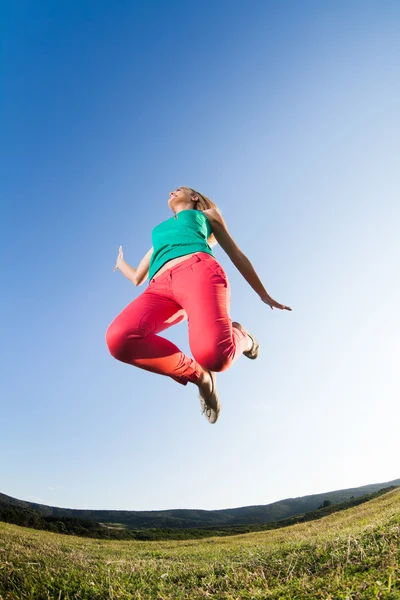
column 354, row 554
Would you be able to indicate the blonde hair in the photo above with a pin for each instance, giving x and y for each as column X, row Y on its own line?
column 204, row 203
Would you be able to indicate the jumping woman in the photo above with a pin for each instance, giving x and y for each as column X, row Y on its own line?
column 186, row 282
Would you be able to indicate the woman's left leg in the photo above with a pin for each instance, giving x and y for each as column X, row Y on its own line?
column 203, row 290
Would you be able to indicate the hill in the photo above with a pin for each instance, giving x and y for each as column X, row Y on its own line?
column 28, row 517
column 187, row 518
column 353, row 554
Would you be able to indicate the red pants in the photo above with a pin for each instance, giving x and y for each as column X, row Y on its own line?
column 197, row 289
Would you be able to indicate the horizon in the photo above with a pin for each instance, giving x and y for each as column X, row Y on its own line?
column 384, row 483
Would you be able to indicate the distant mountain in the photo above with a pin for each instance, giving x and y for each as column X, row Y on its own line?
column 187, row 518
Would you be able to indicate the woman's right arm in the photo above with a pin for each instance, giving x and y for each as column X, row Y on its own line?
column 137, row 276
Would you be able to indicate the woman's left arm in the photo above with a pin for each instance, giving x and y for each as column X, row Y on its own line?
column 238, row 258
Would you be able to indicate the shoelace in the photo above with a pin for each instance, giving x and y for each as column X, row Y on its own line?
column 207, row 408
column 207, row 411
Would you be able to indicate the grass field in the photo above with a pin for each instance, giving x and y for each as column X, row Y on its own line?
column 354, row 554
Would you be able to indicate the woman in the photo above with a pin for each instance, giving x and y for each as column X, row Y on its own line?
column 186, row 281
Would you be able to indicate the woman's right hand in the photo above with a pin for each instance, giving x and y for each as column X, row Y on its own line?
column 120, row 258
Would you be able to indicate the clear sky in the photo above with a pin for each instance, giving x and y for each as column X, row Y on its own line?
column 286, row 114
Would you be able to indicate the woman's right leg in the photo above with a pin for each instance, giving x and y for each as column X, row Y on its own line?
column 131, row 337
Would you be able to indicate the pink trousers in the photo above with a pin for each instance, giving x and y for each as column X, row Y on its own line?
column 195, row 289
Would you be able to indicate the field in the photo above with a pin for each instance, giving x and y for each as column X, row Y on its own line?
column 353, row 554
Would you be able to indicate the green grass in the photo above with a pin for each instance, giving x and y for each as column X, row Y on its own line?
column 354, row 554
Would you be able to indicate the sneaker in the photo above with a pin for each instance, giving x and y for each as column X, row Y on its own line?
column 210, row 406
column 253, row 352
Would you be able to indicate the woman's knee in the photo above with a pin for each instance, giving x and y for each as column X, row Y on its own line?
column 212, row 361
column 118, row 340
column 114, row 340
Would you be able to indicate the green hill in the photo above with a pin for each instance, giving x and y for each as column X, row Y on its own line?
column 28, row 517
column 186, row 518
column 352, row 554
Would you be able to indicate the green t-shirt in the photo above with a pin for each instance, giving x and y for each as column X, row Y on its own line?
column 186, row 232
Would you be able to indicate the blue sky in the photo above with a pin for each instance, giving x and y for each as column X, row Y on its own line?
column 286, row 115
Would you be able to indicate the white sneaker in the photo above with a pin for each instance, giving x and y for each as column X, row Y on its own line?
column 210, row 406
column 253, row 352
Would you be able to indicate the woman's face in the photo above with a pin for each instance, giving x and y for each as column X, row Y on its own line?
column 180, row 199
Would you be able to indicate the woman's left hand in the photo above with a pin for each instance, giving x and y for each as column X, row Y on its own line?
column 273, row 303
